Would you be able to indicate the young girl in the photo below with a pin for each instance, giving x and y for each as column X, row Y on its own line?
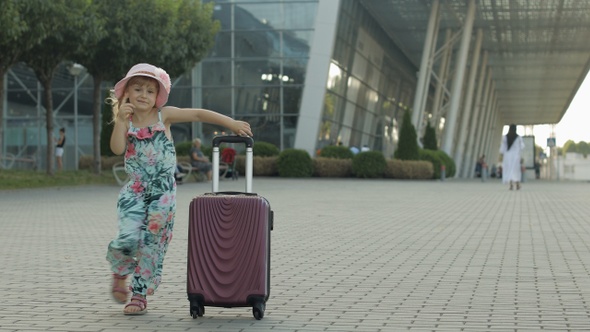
column 147, row 203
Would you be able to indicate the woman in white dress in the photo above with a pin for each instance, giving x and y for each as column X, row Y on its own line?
column 510, row 150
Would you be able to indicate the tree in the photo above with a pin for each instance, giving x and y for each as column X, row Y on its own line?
column 407, row 147
column 583, row 148
column 174, row 35
column 430, row 137
column 71, row 27
column 18, row 33
column 569, row 146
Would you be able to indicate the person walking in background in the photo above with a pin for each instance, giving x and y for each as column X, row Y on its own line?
column 483, row 167
column 59, row 148
column 146, row 206
column 510, row 153
column 200, row 161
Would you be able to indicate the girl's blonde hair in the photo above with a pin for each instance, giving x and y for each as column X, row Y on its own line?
column 114, row 102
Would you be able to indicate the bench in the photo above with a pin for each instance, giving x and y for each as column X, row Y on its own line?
column 119, row 173
column 198, row 175
column 121, row 176
column 8, row 161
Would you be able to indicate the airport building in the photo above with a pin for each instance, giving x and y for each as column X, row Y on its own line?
column 309, row 73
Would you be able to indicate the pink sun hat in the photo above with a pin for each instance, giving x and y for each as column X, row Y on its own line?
column 147, row 70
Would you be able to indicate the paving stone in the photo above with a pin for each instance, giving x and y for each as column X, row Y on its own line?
column 347, row 255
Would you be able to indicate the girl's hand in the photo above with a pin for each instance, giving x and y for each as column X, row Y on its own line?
column 126, row 109
column 241, row 128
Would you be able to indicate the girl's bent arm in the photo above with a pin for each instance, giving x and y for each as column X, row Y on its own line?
column 119, row 138
column 174, row 114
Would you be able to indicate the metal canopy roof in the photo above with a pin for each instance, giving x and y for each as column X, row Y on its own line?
column 538, row 50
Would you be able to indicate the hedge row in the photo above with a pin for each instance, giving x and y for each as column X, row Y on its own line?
column 343, row 168
column 336, row 162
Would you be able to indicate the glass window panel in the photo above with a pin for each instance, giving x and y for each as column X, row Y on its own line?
column 181, row 132
column 222, row 13
column 249, row 100
column 294, row 71
column 336, row 79
column 222, row 46
column 299, row 15
column 26, row 77
column 289, row 130
column 257, row 72
column 265, row 16
column 180, row 97
column 265, row 130
column 270, row 103
column 328, row 134
column 341, row 54
column 292, row 99
column 293, row 47
column 85, row 101
column 21, row 103
column 257, row 44
column 217, row 99
column 216, row 73
column 297, row 43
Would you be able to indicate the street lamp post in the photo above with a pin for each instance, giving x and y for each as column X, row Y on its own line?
column 75, row 70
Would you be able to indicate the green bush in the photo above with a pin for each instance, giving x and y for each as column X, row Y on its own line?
column 429, row 139
column 295, row 163
column 265, row 149
column 336, row 151
column 434, row 158
column 450, row 168
column 183, row 148
column 370, row 164
column 407, row 147
column 263, row 166
column 332, row 167
column 408, row 169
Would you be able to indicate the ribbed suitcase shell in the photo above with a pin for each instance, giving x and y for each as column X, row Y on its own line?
column 229, row 249
column 229, row 244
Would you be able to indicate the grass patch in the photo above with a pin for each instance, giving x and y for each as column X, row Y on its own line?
column 21, row 179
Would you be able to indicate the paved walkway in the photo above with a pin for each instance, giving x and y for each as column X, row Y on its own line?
column 347, row 255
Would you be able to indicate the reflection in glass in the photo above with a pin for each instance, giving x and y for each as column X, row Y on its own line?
column 216, row 73
column 217, row 99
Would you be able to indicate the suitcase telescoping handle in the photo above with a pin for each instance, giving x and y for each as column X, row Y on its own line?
column 249, row 142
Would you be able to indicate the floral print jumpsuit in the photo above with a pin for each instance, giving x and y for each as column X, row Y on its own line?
column 146, row 208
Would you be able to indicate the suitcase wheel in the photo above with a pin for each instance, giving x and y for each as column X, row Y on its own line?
column 258, row 310
column 197, row 310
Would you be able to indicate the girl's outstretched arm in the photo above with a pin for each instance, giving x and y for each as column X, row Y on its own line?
column 172, row 114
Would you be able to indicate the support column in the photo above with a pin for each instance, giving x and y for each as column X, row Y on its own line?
column 425, row 66
column 492, row 132
column 316, row 76
column 443, row 74
column 457, row 87
column 468, row 113
column 469, row 160
column 488, row 119
column 482, row 114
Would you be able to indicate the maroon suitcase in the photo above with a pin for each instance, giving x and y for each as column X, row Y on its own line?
column 229, row 244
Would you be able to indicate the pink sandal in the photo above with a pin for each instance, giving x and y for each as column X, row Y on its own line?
column 117, row 289
column 137, row 301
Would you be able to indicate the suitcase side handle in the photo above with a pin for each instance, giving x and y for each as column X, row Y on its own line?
column 231, row 193
column 249, row 141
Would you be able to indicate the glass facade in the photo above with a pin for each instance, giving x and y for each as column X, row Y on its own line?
column 25, row 133
column 256, row 69
column 370, row 84
column 255, row 72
